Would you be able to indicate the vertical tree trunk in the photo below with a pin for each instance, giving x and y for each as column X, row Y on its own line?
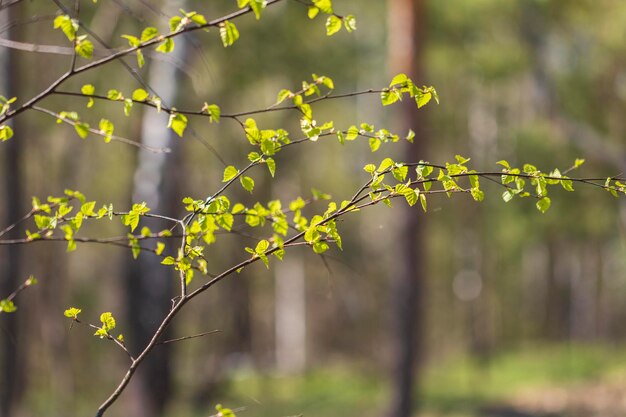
column 11, row 344
column 406, row 27
column 150, row 286
column 290, row 307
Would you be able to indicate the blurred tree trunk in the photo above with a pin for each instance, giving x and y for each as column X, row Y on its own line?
column 290, row 324
column 406, row 26
column 157, row 181
column 11, row 338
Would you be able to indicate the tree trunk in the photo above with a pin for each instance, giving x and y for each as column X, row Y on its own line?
column 11, row 343
column 150, row 285
column 406, row 26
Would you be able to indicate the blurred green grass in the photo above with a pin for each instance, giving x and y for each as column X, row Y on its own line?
column 457, row 387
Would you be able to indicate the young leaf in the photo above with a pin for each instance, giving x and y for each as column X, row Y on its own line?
column 214, row 112
column 247, row 183
column 333, row 25
column 313, row 11
column 106, row 128
column 271, row 166
column 325, row 6
column 72, row 313
column 84, row 47
column 82, row 129
column 229, row 173
column 261, row 247
column 7, row 306
column 544, row 204
column 108, row 321
column 6, row 133
column 149, row 33
column 68, row 25
column 178, row 123
column 399, row 79
column 140, row 94
column 229, row 33
column 166, row 47
column 168, row 261
column 349, row 22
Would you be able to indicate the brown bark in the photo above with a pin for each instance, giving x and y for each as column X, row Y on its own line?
column 406, row 42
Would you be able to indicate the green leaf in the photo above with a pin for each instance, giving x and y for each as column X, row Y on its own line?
column 214, row 112
column 229, row 173
column 410, row 136
column 87, row 208
column 352, row 133
column 224, row 412
column 399, row 79
column 320, row 247
column 176, row 23
column 229, row 33
column 477, row 194
column 106, row 128
column 389, row 97
column 544, row 204
column 178, row 123
column 283, row 95
column 257, row 6
column 88, row 90
column 333, row 25
column 385, row 164
column 199, row 19
column 168, row 261
column 423, row 201
column 226, row 220
column 68, row 25
column 349, row 22
column 160, row 247
column 128, row 105
column 400, row 172
column 325, row 6
column 261, row 247
column 567, row 184
column 374, row 144
column 247, row 183
column 101, row 333
column 114, row 95
column 149, row 33
column 7, row 306
column 6, row 133
column 72, row 313
column 271, row 166
column 84, row 47
column 108, row 321
column 166, row 47
column 423, row 99
column 82, row 129
column 411, row 196
column 133, row 41
column 140, row 94
column 369, row 168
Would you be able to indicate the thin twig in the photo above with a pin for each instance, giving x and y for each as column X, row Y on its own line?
column 179, row 339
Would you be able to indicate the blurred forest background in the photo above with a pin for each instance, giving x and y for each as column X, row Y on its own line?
column 523, row 312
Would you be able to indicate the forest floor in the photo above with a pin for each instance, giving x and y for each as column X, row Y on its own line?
column 540, row 381
column 599, row 398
